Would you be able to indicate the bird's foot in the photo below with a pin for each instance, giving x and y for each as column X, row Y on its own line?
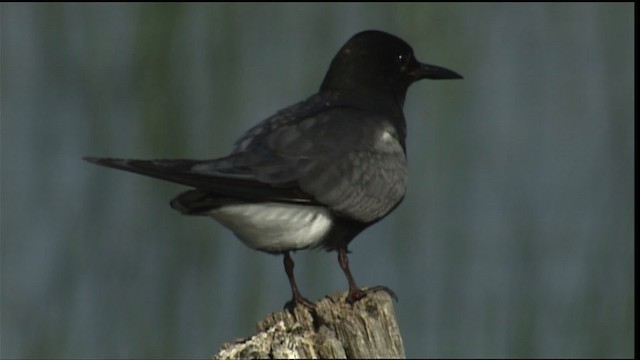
column 356, row 294
column 291, row 304
column 385, row 289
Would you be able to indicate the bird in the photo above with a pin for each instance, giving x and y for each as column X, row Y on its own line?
column 317, row 173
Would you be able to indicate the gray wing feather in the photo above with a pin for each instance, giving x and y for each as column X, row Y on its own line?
column 346, row 158
column 316, row 151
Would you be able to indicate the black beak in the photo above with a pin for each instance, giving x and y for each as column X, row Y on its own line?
column 426, row 71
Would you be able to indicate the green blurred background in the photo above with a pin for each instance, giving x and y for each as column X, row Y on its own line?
column 516, row 237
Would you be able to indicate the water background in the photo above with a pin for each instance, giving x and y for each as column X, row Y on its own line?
column 516, row 237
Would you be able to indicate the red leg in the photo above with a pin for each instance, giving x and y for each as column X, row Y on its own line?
column 355, row 293
column 297, row 298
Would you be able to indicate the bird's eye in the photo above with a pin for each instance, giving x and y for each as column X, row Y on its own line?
column 403, row 60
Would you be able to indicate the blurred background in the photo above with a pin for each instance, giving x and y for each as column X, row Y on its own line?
column 515, row 239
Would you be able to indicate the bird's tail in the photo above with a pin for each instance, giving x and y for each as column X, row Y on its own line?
column 212, row 186
column 177, row 171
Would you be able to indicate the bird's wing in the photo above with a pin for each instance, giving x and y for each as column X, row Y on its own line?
column 342, row 157
column 240, row 184
column 346, row 158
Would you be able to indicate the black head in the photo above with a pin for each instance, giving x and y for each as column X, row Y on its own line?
column 376, row 64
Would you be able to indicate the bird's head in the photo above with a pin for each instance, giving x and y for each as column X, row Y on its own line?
column 373, row 63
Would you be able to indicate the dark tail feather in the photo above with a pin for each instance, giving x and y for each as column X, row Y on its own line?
column 177, row 171
column 199, row 202
column 212, row 187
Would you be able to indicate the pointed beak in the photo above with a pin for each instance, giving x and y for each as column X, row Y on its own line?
column 426, row 71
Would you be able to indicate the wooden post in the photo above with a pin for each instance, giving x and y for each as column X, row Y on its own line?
column 366, row 329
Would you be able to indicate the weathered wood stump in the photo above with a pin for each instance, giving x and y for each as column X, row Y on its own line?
column 338, row 330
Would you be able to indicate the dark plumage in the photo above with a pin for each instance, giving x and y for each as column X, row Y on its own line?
column 316, row 173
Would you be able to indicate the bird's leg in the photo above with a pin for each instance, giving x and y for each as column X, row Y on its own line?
column 297, row 298
column 355, row 293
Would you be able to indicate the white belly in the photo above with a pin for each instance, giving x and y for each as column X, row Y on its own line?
column 275, row 226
